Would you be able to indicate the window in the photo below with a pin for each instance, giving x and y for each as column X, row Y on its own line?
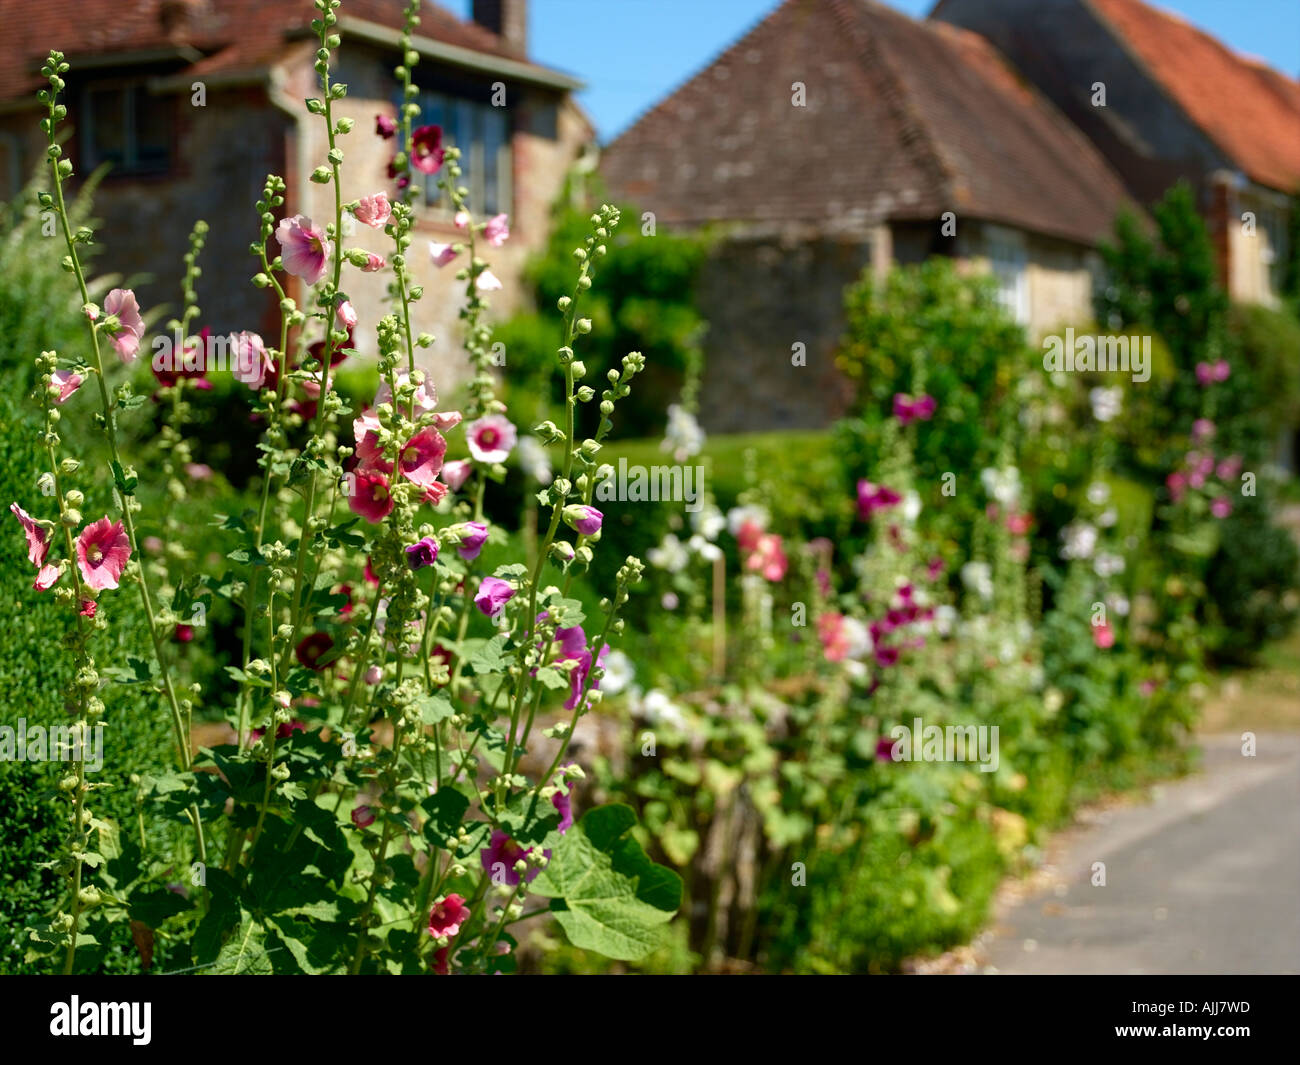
column 482, row 133
column 1009, row 261
column 127, row 126
column 1273, row 250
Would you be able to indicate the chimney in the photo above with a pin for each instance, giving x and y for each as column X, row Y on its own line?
column 506, row 18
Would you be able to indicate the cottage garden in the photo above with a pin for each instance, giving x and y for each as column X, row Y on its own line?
column 450, row 688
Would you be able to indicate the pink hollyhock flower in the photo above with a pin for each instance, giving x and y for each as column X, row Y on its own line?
column 487, row 281
column 446, row 420
column 447, row 916
column 1103, row 636
column 421, row 457
column 88, row 608
column 830, row 631
column 1202, row 430
column 198, row 471
column 491, row 438
column 426, row 149
column 251, row 361
column 311, row 649
column 441, row 962
column 1221, row 507
column 492, row 596
column 362, row 815
column 184, row 634
column 121, row 302
column 907, row 410
column 885, row 749
column 461, row 220
column 748, row 535
column 373, row 211
column 422, row 553
column 1229, row 468
column 1176, row 482
column 282, row 732
column 192, row 364
column 471, row 543
column 365, row 428
column 426, row 396
column 768, row 558
column 497, row 230
column 873, row 498
column 573, row 647
column 38, row 537
column 457, row 473
column 67, row 382
column 369, row 574
column 102, row 553
column 499, row 858
column 46, row 578
column 385, row 126
column 373, row 675
column 1019, row 524
column 934, row 569
column 434, row 494
column 584, row 519
column 304, row 249
column 346, row 315
column 442, row 253
column 1207, row 373
column 374, row 263
column 886, row 656
column 371, row 496
column 564, row 806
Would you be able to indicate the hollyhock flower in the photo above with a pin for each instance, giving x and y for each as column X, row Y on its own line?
column 834, row 635
column 385, row 126
column 492, row 596
column 198, row 471
column 535, row 460
column 38, row 537
column 102, row 553
column 441, row 962
column 426, row 149
column 373, row 263
column 1202, row 430
column 362, row 815
column 768, row 558
column 472, row 540
column 67, row 383
column 564, row 805
column 369, row 574
column 447, row 916
column 491, row 438
column 184, row 634
column 748, row 535
column 1221, row 507
column 422, row 553
column 346, row 315
column 907, row 410
column 683, row 436
column 462, row 220
column 88, row 608
column 1176, row 482
column 370, row 496
column 373, row 211
column 1019, row 524
column 586, row 520
column 434, row 494
column 46, row 577
column 373, row 675
column 1207, row 373
column 572, row 643
column 885, row 749
column 121, row 303
column 303, row 248
column 421, row 457
column 1107, row 403
column 282, row 731
column 426, row 396
column 487, row 281
column 1103, row 636
column 873, row 498
column 499, row 858
column 497, row 230
column 251, row 361
column 442, row 254
column 365, row 429
column 313, row 648
column 886, row 656
column 1228, row 468
column 934, row 569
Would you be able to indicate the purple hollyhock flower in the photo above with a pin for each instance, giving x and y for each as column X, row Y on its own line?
column 564, row 805
column 573, row 646
column 422, row 553
column 583, row 518
column 493, row 595
column 499, row 858
column 471, row 543
column 363, row 815
column 884, row 749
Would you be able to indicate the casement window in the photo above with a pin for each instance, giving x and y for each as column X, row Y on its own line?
column 1273, row 249
column 1009, row 262
column 125, row 125
column 482, row 133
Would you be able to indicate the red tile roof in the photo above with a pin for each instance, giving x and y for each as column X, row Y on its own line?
column 904, row 120
column 235, row 35
column 1249, row 110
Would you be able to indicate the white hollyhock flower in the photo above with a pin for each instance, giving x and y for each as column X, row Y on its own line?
column 1002, row 485
column 671, row 554
column 1080, row 540
column 1107, row 403
column 683, row 437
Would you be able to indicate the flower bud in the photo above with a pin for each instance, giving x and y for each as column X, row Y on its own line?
column 584, row 519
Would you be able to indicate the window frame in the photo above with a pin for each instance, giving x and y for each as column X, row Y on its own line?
column 474, row 113
column 130, row 167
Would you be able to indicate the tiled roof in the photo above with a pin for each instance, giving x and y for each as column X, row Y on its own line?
column 1248, row 109
column 234, row 35
column 903, row 120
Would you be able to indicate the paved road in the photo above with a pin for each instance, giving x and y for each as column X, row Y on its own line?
column 1203, row 879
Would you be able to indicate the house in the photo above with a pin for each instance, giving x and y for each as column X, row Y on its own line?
column 193, row 102
column 1164, row 101
column 841, row 134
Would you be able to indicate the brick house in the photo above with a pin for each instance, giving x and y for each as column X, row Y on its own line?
column 1178, row 105
column 839, row 134
column 132, row 96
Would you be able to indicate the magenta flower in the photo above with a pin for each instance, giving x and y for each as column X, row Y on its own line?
column 311, row 649
column 1208, row 373
column 471, row 542
column 499, row 858
column 251, row 361
column 1221, row 507
column 491, row 438
column 907, row 410
column 422, row 553
column 365, row 429
column 768, row 558
column 102, row 553
column 373, row 211
column 46, row 578
column 426, row 149
column 38, row 538
column 884, row 749
column 373, row 263
column 447, row 916
column 385, row 126
column 1229, row 468
column 304, row 249
column 573, row 647
column 421, row 457
column 492, row 596
column 873, row 498
column 67, row 382
column 564, row 805
column 1202, row 430
column 362, row 815
column 442, row 253
column 121, row 302
column 370, row 496
column 457, row 473
column 497, row 230
column 584, row 519
column 1103, row 636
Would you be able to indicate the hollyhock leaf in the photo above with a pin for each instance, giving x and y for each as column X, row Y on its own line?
column 435, row 708
column 553, row 678
column 244, row 954
column 136, row 671
column 513, row 572
column 490, row 657
column 446, row 809
column 606, row 893
column 125, row 483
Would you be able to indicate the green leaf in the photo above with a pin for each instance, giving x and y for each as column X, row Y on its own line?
column 434, row 708
column 489, row 658
column 607, row 894
column 244, row 953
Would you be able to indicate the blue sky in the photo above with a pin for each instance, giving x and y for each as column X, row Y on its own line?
column 632, row 53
